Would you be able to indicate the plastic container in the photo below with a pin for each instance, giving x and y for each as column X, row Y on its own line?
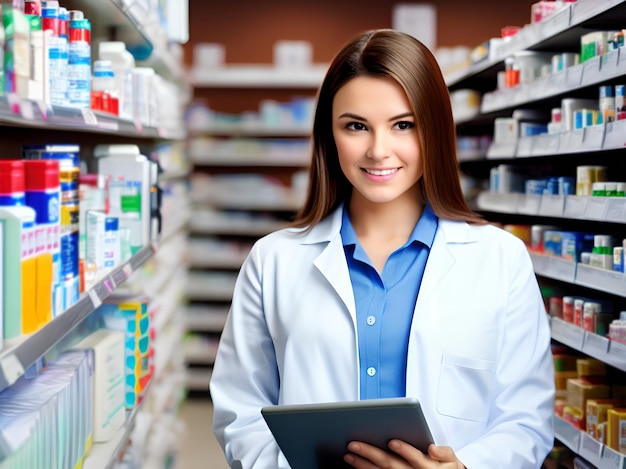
column 104, row 91
column 123, row 64
column 17, row 223
column 529, row 64
column 127, row 175
column 144, row 106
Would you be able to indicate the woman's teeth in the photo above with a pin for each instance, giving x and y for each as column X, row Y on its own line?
column 381, row 172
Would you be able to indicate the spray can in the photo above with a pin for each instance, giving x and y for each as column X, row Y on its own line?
column 79, row 61
column 43, row 195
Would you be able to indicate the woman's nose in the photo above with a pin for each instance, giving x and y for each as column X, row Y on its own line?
column 379, row 147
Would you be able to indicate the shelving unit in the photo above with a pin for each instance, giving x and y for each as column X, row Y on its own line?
column 105, row 455
column 593, row 145
column 259, row 76
column 142, row 273
column 15, row 360
column 559, row 32
column 232, row 206
column 133, row 23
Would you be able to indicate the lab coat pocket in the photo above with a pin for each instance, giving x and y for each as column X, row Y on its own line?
column 465, row 386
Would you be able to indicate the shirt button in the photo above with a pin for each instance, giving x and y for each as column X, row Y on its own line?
column 371, row 320
column 371, row 371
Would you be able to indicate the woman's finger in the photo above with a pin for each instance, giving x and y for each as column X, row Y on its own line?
column 442, row 453
column 367, row 456
column 412, row 455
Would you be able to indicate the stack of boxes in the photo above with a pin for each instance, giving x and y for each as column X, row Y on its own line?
column 130, row 315
column 587, row 400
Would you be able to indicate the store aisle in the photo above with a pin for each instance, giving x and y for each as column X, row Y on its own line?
column 198, row 447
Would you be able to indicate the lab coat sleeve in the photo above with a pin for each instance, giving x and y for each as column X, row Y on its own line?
column 519, row 432
column 245, row 376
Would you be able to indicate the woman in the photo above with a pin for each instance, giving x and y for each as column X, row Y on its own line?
column 388, row 285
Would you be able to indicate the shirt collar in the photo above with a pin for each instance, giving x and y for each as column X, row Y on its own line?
column 424, row 231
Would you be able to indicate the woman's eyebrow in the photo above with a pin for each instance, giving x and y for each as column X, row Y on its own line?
column 349, row 115
column 352, row 116
column 402, row 116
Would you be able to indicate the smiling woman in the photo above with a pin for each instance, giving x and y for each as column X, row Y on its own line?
column 387, row 285
column 378, row 151
column 377, row 142
column 415, row 82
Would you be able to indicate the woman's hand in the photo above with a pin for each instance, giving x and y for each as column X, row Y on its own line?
column 401, row 455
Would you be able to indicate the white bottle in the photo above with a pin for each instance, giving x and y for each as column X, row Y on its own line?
column 123, row 64
column 144, row 95
column 104, row 92
column 128, row 180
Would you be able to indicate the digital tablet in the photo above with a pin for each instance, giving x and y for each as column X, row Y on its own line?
column 314, row 436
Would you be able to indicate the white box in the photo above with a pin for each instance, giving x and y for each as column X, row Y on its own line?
column 109, row 379
column 293, row 54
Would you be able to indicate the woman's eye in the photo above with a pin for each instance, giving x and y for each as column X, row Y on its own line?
column 405, row 125
column 356, row 126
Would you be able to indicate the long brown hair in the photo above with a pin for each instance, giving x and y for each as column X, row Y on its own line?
column 388, row 53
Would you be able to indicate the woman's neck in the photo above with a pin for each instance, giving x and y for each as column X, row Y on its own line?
column 389, row 221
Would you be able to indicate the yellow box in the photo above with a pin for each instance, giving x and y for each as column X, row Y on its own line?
column 579, row 391
column 616, row 427
column 561, row 377
column 574, row 416
column 590, row 367
column 596, row 414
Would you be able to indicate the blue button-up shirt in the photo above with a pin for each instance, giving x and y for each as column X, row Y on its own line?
column 385, row 305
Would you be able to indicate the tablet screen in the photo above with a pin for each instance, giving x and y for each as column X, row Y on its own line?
column 313, row 436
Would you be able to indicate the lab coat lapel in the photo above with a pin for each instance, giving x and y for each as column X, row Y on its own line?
column 440, row 260
column 331, row 262
column 333, row 266
column 436, row 268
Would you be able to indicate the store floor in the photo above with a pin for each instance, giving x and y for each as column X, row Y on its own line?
column 198, row 447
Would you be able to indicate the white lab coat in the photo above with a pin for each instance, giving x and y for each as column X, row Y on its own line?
column 479, row 349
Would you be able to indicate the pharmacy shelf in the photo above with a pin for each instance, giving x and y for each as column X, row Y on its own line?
column 592, row 72
column 176, row 225
column 210, row 286
column 247, row 160
column 596, row 453
column 174, row 175
column 250, row 152
column 559, row 32
column 200, row 350
column 607, row 281
column 198, row 379
column 572, row 207
column 596, row 138
column 596, row 346
column 214, row 223
column 20, row 112
column 205, row 318
column 253, row 129
column 259, row 76
column 290, row 202
column 106, row 455
column 554, row 267
column 16, row 359
column 145, row 39
column 216, row 260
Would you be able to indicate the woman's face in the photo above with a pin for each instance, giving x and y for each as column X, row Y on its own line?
column 377, row 141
